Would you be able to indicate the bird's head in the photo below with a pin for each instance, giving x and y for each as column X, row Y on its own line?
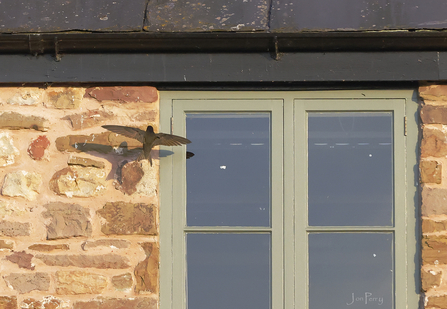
column 150, row 129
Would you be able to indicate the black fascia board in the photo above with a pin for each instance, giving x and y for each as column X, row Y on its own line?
column 221, row 42
column 305, row 67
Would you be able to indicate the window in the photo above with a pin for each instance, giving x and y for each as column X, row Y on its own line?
column 291, row 200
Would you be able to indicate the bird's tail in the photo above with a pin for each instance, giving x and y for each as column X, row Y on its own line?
column 142, row 157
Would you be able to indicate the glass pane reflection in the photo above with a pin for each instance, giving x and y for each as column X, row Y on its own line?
column 350, row 270
column 228, row 179
column 228, row 271
column 350, row 168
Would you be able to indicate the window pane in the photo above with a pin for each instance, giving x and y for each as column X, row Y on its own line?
column 228, row 271
column 350, row 168
column 350, row 270
column 228, row 179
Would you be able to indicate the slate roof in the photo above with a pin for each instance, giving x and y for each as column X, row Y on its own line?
column 129, row 26
column 43, row 16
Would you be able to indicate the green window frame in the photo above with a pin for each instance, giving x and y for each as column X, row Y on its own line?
column 289, row 227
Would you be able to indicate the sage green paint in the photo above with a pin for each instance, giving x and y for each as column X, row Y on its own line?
column 289, row 173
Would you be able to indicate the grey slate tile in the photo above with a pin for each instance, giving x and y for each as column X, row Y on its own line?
column 207, row 15
column 342, row 15
column 85, row 15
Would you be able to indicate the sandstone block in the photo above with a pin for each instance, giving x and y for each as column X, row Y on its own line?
column 148, row 185
column 48, row 248
column 82, row 143
column 5, row 244
column 7, row 149
column 111, row 243
column 16, row 121
column 22, row 183
column 434, row 141
column 431, row 226
column 434, row 250
column 68, row 220
column 430, row 279
column 48, row 302
column 147, row 271
column 118, row 303
column 104, row 142
column 105, row 261
column 146, row 116
column 431, row 171
column 36, row 149
column 79, row 181
column 79, row 282
column 122, row 282
column 26, row 96
column 11, row 209
column 12, row 229
column 434, row 201
column 89, row 119
column 434, row 114
column 27, row 282
column 8, row 302
column 86, row 162
column 437, row 302
column 433, row 92
column 65, row 98
column 124, row 94
column 22, row 259
column 127, row 218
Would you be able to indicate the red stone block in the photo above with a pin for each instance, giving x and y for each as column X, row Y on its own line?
column 431, row 114
column 147, row 271
column 434, row 142
column 129, row 176
column 434, row 201
column 22, row 259
column 124, row 94
column 36, row 149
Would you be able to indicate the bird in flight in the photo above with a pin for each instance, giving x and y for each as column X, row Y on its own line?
column 149, row 139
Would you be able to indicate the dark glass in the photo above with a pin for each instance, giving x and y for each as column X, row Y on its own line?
column 228, row 179
column 350, row 171
column 350, row 270
column 228, row 271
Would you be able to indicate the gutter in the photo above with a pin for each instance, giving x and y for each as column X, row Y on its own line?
column 221, row 42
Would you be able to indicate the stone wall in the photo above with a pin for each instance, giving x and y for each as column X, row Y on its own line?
column 78, row 216
column 434, row 194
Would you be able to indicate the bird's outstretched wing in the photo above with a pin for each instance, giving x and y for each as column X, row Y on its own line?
column 135, row 133
column 170, row 140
